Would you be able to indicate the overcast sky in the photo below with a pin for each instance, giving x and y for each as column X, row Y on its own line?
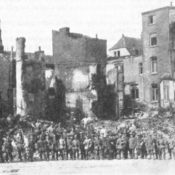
column 35, row 19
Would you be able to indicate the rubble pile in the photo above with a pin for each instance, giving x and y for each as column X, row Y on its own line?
column 144, row 123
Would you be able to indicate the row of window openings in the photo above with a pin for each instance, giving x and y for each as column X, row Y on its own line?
column 153, row 42
column 118, row 54
column 153, row 66
column 154, row 93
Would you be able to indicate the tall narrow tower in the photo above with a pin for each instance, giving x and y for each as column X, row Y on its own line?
column 20, row 102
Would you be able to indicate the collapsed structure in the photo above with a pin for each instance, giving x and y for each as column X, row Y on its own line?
column 80, row 76
column 79, row 64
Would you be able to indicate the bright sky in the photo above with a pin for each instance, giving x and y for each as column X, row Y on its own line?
column 35, row 19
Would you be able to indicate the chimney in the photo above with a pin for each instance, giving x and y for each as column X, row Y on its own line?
column 64, row 30
column 171, row 3
column 20, row 48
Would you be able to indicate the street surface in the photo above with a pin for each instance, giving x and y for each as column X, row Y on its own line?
column 101, row 167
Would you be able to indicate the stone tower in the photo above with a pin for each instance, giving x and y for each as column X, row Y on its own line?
column 20, row 102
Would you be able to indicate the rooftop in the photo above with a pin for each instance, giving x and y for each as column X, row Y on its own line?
column 162, row 8
column 129, row 43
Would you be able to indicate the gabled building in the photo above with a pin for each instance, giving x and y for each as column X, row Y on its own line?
column 126, row 46
column 128, row 53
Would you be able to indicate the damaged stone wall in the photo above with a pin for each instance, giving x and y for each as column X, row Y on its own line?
column 76, row 58
column 30, row 82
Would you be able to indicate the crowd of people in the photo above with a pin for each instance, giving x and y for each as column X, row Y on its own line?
column 49, row 141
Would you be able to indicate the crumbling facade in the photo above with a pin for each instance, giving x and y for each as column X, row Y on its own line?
column 128, row 53
column 30, row 81
column 77, row 60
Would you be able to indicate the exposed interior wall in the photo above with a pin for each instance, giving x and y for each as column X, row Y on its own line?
column 76, row 58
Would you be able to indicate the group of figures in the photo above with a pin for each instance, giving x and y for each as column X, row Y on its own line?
column 52, row 142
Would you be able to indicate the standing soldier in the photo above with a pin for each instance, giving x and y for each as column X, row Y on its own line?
column 170, row 145
column 7, row 149
column 40, row 148
column 86, row 144
column 138, row 146
column 162, row 144
column 132, row 146
column 1, row 144
column 111, row 147
column 55, row 149
column 155, row 148
column 149, row 147
column 62, row 147
column 31, row 148
column 75, row 147
column 47, row 148
column 97, row 147
column 143, row 148
column 125, row 146
column 20, row 145
column 82, row 149
column 69, row 153
column 119, row 147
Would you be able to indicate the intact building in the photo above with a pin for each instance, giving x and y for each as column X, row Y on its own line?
column 158, row 51
column 149, row 62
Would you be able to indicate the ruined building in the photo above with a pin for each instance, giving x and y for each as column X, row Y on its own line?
column 128, row 53
column 30, row 81
column 79, row 65
column 6, row 85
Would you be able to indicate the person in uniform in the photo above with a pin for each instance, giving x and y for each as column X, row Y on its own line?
column 143, row 148
column 40, row 148
column 82, row 149
column 61, row 147
column 132, row 146
column 31, row 148
column 20, row 145
column 87, row 143
column 75, row 147
column 149, row 146
column 97, row 147
column 69, row 151
column 7, row 149
column 155, row 148
column 1, row 145
column 119, row 146
column 170, row 145
column 55, row 149
column 162, row 144
column 47, row 147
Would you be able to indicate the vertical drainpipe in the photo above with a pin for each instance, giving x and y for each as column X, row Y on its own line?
column 20, row 102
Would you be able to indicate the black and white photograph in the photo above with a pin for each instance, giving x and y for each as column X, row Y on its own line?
column 87, row 87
